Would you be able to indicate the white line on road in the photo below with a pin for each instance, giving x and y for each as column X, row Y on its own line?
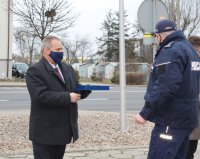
column 118, row 91
column 96, row 99
column 4, row 100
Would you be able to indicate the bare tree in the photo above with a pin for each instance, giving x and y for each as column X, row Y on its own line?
column 19, row 40
column 186, row 14
column 75, row 48
column 72, row 49
column 44, row 17
column 27, row 43
column 85, row 45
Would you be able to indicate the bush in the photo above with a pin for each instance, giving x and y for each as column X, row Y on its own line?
column 94, row 77
column 115, row 78
column 135, row 78
column 132, row 78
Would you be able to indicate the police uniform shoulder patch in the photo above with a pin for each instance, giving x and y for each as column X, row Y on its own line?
column 170, row 44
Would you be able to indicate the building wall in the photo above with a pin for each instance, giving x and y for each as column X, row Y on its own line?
column 91, row 70
column 76, row 66
column 83, row 70
column 5, row 40
column 109, row 71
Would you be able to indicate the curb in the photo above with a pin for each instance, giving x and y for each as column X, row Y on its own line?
column 105, row 149
column 68, row 150
column 12, row 85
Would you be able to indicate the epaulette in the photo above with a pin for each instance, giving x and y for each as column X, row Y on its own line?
column 170, row 44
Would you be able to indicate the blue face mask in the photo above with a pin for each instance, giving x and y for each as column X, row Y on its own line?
column 56, row 56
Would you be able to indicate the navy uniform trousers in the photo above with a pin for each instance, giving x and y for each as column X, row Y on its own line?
column 162, row 148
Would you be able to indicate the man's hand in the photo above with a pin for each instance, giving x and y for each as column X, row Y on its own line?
column 75, row 97
column 139, row 119
column 85, row 93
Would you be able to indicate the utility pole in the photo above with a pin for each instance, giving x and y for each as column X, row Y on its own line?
column 122, row 67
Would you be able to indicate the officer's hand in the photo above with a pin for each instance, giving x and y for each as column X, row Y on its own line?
column 75, row 97
column 139, row 119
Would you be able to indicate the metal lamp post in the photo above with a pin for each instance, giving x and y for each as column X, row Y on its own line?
column 122, row 67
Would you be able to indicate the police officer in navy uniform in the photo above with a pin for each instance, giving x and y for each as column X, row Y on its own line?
column 171, row 99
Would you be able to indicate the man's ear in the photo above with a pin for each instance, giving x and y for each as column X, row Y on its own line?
column 46, row 51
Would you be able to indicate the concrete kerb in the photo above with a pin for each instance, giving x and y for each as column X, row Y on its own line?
column 12, row 84
column 106, row 149
column 88, row 150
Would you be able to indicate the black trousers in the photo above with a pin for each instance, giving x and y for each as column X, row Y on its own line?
column 41, row 151
column 192, row 147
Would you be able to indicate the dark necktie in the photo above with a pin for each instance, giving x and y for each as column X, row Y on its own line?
column 58, row 73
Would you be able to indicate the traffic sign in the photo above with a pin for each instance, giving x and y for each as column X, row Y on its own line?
column 150, row 12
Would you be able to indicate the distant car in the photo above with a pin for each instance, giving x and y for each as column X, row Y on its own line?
column 19, row 69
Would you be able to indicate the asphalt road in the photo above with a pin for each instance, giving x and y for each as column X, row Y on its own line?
column 17, row 98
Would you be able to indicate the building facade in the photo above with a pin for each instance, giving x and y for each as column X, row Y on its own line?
column 6, row 39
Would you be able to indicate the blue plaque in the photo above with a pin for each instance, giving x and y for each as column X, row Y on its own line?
column 91, row 87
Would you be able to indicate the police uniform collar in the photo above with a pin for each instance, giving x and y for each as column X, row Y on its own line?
column 170, row 40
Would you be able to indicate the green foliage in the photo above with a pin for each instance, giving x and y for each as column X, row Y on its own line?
column 109, row 41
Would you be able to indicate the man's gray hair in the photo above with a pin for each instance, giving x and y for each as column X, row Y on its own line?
column 46, row 42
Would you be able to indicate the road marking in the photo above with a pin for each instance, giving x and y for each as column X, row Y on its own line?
column 4, row 100
column 96, row 99
column 118, row 91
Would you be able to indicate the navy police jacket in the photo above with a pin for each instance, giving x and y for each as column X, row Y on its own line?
column 173, row 88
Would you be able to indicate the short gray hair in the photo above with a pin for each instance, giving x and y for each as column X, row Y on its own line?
column 46, row 42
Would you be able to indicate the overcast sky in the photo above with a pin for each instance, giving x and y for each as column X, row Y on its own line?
column 93, row 13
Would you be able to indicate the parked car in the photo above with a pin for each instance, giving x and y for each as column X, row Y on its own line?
column 19, row 69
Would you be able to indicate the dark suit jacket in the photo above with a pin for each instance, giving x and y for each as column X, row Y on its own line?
column 53, row 118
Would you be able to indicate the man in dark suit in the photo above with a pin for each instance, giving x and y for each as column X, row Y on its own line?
column 54, row 113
